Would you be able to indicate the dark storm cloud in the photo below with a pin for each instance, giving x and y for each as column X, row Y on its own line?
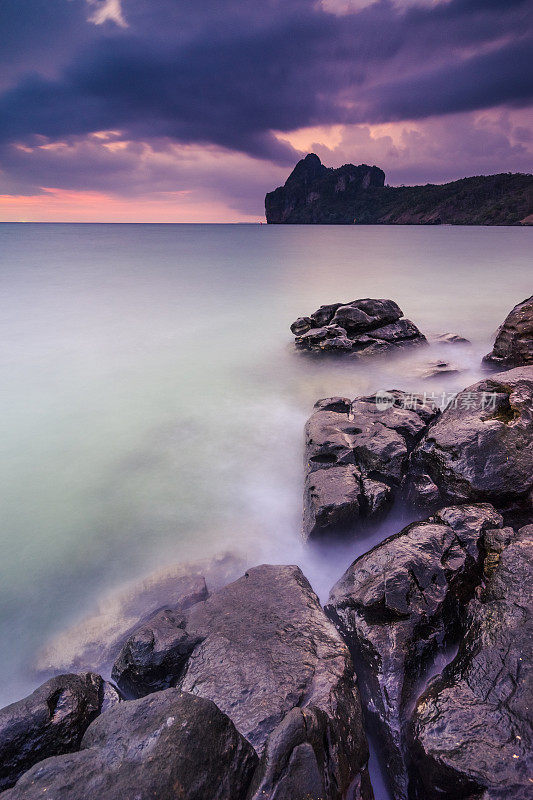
column 229, row 72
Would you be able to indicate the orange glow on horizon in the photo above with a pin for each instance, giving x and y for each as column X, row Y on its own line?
column 62, row 205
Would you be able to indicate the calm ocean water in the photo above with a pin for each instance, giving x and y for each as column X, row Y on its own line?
column 152, row 408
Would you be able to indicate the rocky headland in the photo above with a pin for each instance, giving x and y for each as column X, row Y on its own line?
column 314, row 194
column 217, row 682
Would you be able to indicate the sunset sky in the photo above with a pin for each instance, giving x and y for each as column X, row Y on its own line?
column 190, row 110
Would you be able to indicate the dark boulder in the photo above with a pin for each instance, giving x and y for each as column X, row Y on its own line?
column 266, row 647
column 398, row 604
column 514, row 341
column 471, row 732
column 361, row 327
column 356, row 455
column 168, row 746
column 49, row 722
column 155, row 655
column 480, row 449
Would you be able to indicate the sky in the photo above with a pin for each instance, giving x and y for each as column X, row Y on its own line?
column 190, row 110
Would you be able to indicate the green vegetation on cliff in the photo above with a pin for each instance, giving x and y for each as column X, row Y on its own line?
column 314, row 194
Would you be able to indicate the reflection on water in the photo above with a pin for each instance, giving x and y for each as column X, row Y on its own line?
column 152, row 407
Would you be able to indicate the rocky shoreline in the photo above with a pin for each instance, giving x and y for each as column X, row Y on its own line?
column 226, row 683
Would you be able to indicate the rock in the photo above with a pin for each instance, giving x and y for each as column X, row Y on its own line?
column 49, row 722
column 356, row 454
column 450, row 338
column 155, row 655
column 434, row 369
column 302, row 325
column 315, row 194
column 324, row 314
column 320, row 338
column 398, row 604
column 95, row 642
column 265, row 648
column 168, row 745
column 480, row 449
column 363, row 325
column 471, row 734
column 514, row 341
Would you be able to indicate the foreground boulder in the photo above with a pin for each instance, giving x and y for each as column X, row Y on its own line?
column 398, row 604
column 472, row 733
column 480, row 449
column 49, row 722
column 356, row 454
column 358, row 328
column 514, row 341
column 168, row 745
column 270, row 659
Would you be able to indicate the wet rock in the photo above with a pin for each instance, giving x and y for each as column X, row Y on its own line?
column 265, row 648
column 324, row 314
column 363, row 326
column 155, row 655
column 514, row 341
column 471, row 734
column 450, row 338
column 49, row 722
column 168, row 745
column 94, row 642
column 294, row 762
column 480, row 449
column 398, row 604
column 301, row 325
column 356, row 454
column 435, row 369
column 328, row 337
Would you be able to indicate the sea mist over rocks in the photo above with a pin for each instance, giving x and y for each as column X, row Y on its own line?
column 153, row 410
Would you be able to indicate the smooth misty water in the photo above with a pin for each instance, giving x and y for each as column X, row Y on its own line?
column 152, row 407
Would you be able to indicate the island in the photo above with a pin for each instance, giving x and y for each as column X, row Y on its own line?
column 314, row 194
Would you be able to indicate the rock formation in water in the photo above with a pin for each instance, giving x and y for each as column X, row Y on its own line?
column 359, row 328
column 249, row 690
column 49, row 722
column 315, row 194
column 356, row 454
column 480, row 449
column 264, row 651
column 471, row 734
column 514, row 341
column 168, row 745
column 400, row 603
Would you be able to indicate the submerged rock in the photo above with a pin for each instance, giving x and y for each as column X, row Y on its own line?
column 471, row 733
column 450, row 338
column 435, row 369
column 480, row 449
column 514, row 341
column 268, row 656
column 398, row 604
column 49, row 722
column 360, row 328
column 168, row 745
column 356, row 454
